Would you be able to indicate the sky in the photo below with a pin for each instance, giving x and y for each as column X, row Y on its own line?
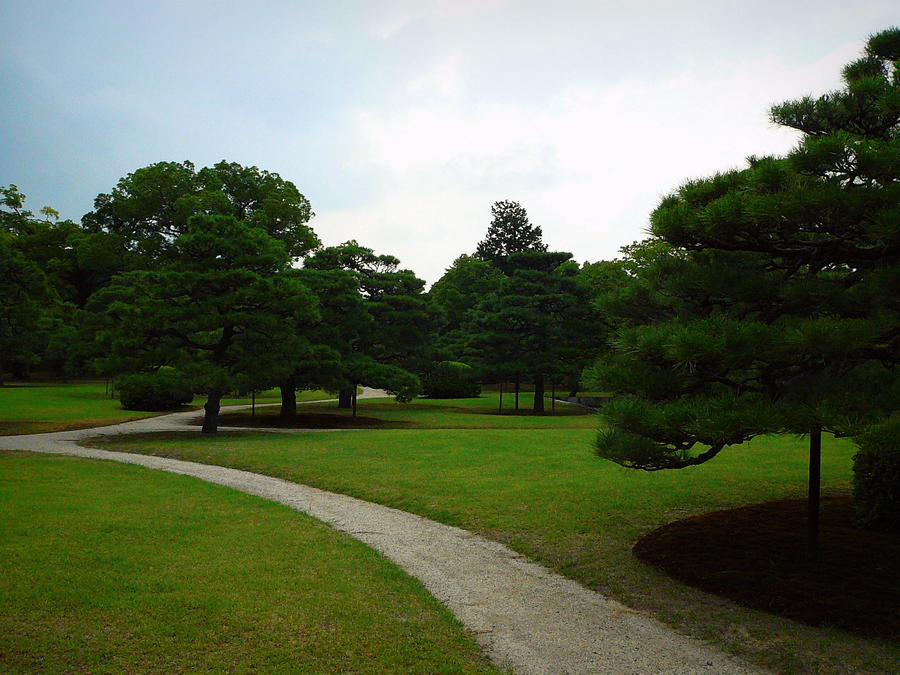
column 402, row 122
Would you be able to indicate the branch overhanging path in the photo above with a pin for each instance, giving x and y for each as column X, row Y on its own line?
column 525, row 617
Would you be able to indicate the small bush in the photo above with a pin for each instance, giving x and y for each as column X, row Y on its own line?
column 166, row 389
column 451, row 379
column 876, row 477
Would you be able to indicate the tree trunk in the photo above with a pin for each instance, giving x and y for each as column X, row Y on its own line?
column 815, row 482
column 517, row 394
column 501, row 399
column 539, row 393
column 552, row 397
column 354, row 400
column 345, row 397
column 211, row 408
column 288, row 400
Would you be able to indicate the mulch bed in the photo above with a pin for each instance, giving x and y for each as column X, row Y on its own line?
column 757, row 556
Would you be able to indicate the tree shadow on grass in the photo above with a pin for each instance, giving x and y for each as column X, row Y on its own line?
column 757, row 556
column 270, row 419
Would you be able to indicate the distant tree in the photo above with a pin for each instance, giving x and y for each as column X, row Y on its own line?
column 510, row 232
column 387, row 354
column 466, row 283
column 26, row 292
column 222, row 312
column 538, row 324
column 152, row 206
column 770, row 295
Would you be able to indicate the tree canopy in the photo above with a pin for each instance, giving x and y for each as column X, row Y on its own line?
column 770, row 294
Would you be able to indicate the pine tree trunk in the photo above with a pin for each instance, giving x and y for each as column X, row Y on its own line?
column 288, row 411
column 539, row 393
column 211, row 408
column 354, row 399
column 815, row 482
column 501, row 399
column 345, row 397
column 517, row 394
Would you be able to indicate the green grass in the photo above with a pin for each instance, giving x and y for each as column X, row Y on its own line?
column 464, row 413
column 43, row 407
column 113, row 568
column 544, row 493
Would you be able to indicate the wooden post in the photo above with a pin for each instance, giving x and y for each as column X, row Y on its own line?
column 815, row 483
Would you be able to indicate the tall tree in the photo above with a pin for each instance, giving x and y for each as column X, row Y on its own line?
column 223, row 312
column 774, row 291
column 465, row 284
column 152, row 206
column 538, row 324
column 388, row 353
column 510, row 232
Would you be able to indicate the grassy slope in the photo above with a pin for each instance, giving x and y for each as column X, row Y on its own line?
column 112, row 568
column 543, row 492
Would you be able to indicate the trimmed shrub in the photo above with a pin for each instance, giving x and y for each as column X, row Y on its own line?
column 166, row 389
column 451, row 379
column 876, row 477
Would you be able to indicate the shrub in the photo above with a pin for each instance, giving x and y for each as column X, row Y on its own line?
column 876, row 477
column 451, row 379
column 166, row 389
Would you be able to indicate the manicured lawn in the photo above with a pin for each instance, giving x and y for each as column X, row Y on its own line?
column 465, row 413
column 535, row 484
column 42, row 407
column 113, row 568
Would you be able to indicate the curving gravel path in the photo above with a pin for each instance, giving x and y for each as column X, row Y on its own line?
column 525, row 617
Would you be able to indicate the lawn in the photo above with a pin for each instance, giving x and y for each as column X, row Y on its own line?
column 43, row 407
column 114, row 568
column 473, row 413
column 535, row 484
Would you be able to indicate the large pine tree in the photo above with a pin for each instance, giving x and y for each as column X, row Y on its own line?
column 774, row 291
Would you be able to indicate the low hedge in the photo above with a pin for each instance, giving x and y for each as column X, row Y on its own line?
column 451, row 379
column 166, row 389
column 876, row 477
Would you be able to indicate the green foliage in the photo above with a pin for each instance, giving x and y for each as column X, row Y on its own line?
column 510, row 232
column 224, row 313
column 767, row 299
column 152, row 206
column 876, row 477
column 539, row 322
column 166, row 389
column 379, row 319
column 451, row 379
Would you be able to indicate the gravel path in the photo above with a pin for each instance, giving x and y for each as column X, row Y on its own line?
column 525, row 617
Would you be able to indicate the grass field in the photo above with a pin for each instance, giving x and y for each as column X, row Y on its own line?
column 534, row 484
column 113, row 568
column 42, row 407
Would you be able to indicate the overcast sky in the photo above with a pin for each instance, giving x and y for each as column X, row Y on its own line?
column 403, row 122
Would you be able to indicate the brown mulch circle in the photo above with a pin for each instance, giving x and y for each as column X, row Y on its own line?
column 757, row 556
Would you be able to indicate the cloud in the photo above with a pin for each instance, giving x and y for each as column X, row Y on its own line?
column 590, row 164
